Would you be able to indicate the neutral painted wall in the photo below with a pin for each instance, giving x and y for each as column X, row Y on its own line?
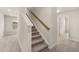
column 8, row 22
column 24, row 32
column 74, row 23
column 1, row 25
column 43, row 13
column 48, row 16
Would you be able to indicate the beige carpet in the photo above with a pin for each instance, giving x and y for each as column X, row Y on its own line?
column 66, row 46
column 9, row 44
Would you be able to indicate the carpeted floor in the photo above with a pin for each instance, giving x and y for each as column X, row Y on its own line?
column 66, row 46
column 9, row 44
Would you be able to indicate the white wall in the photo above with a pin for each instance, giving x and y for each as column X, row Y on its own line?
column 48, row 16
column 43, row 13
column 12, row 11
column 74, row 23
column 24, row 32
column 8, row 22
column 1, row 25
column 53, row 28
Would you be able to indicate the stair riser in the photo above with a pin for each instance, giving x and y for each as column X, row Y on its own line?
column 33, row 26
column 45, row 50
column 36, row 37
column 34, row 30
column 38, row 43
column 42, row 49
column 36, row 33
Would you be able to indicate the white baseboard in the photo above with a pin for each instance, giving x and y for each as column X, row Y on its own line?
column 74, row 39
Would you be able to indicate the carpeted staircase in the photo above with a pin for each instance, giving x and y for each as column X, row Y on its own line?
column 38, row 43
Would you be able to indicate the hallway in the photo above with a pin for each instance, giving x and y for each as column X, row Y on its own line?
column 9, row 44
column 39, row 31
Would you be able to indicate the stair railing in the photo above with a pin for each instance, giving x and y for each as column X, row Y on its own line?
column 38, row 19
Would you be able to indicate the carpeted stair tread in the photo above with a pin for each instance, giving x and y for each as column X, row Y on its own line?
column 34, row 29
column 39, row 47
column 36, row 36
column 45, row 50
column 37, row 41
column 35, row 32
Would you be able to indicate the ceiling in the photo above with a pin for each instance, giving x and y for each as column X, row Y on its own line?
column 12, row 11
column 64, row 9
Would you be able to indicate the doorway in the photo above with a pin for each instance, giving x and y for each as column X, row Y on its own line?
column 63, row 33
column 10, row 25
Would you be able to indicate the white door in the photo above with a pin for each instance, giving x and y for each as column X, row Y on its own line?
column 63, row 28
column 67, row 30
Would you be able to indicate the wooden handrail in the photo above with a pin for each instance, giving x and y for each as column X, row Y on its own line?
column 40, row 21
